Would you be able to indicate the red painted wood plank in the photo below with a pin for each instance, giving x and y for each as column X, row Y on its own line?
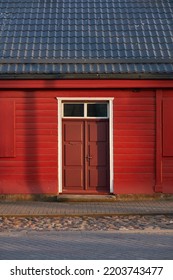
column 168, row 93
column 26, row 126
column 27, row 163
column 133, row 163
column 39, row 138
column 42, row 145
column 35, row 113
column 134, row 151
column 167, row 186
column 134, row 145
column 134, row 169
column 36, row 106
column 134, row 176
column 37, row 119
column 30, row 177
column 167, row 162
column 29, row 187
column 134, row 157
column 136, row 133
column 137, row 114
column 28, row 170
column 140, row 120
column 129, row 100
column 133, row 139
column 167, row 169
column 167, row 176
column 37, row 157
column 86, row 84
column 129, row 93
column 36, row 132
column 7, row 128
column 36, row 151
column 135, row 126
column 36, row 98
column 133, row 187
column 141, row 107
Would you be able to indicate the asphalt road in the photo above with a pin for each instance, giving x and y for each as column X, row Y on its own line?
column 87, row 245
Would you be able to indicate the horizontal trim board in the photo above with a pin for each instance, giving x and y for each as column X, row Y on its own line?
column 87, row 76
column 85, row 84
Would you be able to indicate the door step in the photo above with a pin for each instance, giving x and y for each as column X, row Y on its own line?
column 85, row 198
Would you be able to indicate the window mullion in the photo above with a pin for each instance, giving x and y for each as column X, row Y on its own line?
column 85, row 110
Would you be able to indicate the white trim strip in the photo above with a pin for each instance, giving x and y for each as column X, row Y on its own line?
column 60, row 117
column 111, row 152
column 59, row 145
column 85, row 99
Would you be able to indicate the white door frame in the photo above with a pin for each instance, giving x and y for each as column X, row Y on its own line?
column 110, row 102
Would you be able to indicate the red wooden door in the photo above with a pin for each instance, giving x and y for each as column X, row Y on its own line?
column 85, row 156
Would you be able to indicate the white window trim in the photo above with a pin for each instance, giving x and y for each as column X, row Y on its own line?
column 110, row 117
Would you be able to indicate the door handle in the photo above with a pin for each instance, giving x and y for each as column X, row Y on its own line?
column 88, row 157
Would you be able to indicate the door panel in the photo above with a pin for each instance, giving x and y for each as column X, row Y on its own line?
column 98, row 149
column 73, row 131
column 73, row 178
column 98, row 152
column 73, row 155
column 97, row 130
column 85, row 156
column 97, row 178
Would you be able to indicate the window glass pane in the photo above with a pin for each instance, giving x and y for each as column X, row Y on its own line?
column 73, row 110
column 97, row 110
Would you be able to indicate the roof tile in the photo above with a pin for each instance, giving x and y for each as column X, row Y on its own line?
column 85, row 29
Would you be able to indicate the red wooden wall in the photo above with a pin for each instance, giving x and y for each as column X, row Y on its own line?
column 7, row 128
column 134, row 141
column 167, row 153
column 33, row 168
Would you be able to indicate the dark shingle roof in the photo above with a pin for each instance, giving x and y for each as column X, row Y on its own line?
column 86, row 36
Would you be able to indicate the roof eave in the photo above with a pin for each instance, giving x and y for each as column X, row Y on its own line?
column 80, row 76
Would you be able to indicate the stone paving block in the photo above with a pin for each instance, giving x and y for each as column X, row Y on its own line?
column 84, row 208
column 87, row 245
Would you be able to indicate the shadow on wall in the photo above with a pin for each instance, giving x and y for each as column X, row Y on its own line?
column 31, row 143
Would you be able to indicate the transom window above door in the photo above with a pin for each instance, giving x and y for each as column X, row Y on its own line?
column 85, row 110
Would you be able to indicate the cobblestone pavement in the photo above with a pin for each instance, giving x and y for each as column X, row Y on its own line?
column 85, row 223
column 87, row 245
column 37, row 208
